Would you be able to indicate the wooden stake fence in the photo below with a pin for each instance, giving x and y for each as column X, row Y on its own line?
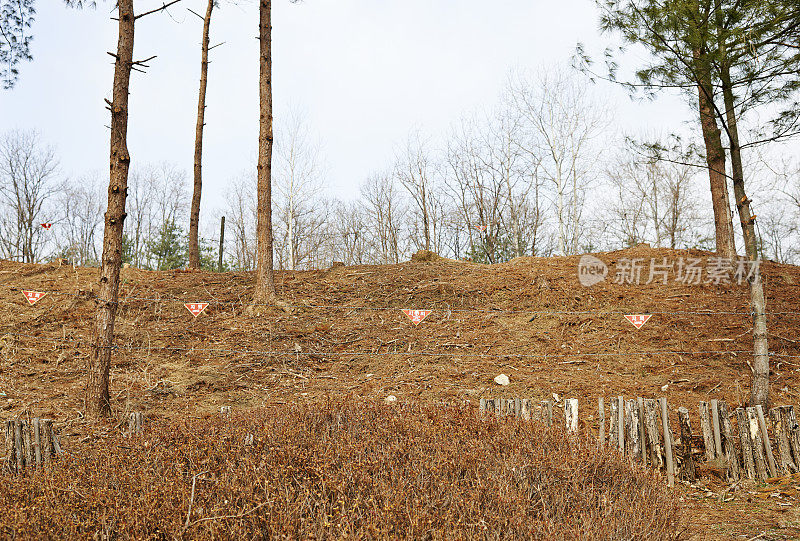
column 30, row 444
column 640, row 429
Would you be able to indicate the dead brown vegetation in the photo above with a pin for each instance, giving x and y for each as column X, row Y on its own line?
column 342, row 471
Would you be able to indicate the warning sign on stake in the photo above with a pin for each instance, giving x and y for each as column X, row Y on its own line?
column 47, row 226
column 637, row 320
column 196, row 308
column 416, row 316
column 33, row 296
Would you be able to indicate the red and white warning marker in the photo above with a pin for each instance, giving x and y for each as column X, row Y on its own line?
column 33, row 296
column 46, row 226
column 480, row 228
column 637, row 320
column 196, row 308
column 416, row 316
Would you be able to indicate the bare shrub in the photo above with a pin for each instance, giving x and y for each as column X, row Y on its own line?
column 343, row 471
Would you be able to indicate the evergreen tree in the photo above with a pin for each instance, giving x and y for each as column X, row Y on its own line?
column 168, row 249
column 731, row 58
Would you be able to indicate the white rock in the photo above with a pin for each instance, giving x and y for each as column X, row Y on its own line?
column 502, row 379
column 391, row 399
column 665, row 387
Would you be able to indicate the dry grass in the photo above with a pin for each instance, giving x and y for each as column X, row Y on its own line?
column 342, row 471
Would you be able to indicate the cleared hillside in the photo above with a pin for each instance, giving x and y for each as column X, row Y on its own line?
column 342, row 333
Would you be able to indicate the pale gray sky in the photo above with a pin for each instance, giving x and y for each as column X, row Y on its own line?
column 366, row 72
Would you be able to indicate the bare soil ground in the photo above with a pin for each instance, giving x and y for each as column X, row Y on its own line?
column 343, row 333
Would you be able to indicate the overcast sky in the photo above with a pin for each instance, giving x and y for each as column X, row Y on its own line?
column 366, row 72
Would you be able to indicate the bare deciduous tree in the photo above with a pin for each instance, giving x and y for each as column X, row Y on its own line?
column 416, row 171
column 297, row 182
column 654, row 200
column 562, row 124
column 350, row 233
column 28, row 182
column 385, row 214
column 82, row 207
column 240, row 213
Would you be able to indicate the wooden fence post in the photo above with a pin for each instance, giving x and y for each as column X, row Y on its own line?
column 715, row 428
column 632, row 422
column 37, row 442
column 11, row 458
column 46, row 429
column 667, row 443
column 705, row 427
column 746, row 443
column 758, row 443
column 793, row 431
column 526, row 409
column 621, row 423
column 762, row 424
column 728, row 448
column 613, row 431
column 601, row 421
column 642, row 430
column 20, row 453
column 785, row 464
column 687, row 464
column 653, row 437
column 547, row 412
column 571, row 414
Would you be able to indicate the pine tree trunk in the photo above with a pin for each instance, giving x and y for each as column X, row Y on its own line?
column 194, row 217
column 265, row 279
column 715, row 158
column 759, row 386
column 97, row 395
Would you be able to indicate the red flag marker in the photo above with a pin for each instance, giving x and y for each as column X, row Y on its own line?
column 33, row 296
column 637, row 320
column 196, row 308
column 47, row 226
column 416, row 316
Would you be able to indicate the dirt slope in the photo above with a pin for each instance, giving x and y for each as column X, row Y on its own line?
column 347, row 323
column 345, row 333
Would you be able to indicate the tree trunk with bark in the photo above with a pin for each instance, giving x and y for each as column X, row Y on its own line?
column 715, row 157
column 759, row 386
column 97, row 394
column 265, row 278
column 194, row 218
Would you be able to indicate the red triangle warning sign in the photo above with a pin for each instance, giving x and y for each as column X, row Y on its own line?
column 196, row 308
column 47, row 226
column 637, row 320
column 416, row 316
column 33, row 296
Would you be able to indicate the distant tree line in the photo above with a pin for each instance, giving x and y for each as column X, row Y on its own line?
column 533, row 176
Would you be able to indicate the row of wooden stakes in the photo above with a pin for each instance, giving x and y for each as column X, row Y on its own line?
column 30, row 443
column 640, row 428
